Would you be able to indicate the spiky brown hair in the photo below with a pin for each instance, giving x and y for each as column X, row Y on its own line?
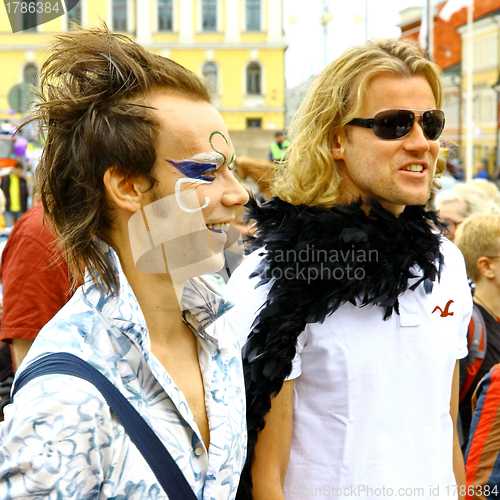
column 91, row 109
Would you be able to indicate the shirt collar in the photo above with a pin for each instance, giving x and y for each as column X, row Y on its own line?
column 202, row 308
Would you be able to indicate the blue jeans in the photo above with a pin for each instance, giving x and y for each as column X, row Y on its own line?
column 11, row 217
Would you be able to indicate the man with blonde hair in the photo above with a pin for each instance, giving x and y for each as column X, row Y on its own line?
column 132, row 390
column 355, row 308
column 478, row 238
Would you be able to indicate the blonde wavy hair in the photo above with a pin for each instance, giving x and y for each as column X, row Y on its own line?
column 478, row 236
column 310, row 175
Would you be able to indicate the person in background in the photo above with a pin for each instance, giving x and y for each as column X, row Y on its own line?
column 478, row 200
column 279, row 146
column 35, row 280
column 447, row 179
column 7, row 128
column 235, row 258
column 495, row 176
column 488, row 187
column 481, row 172
column 482, row 456
column 15, row 188
column 6, row 377
column 452, row 209
column 3, row 204
column 464, row 200
column 478, row 238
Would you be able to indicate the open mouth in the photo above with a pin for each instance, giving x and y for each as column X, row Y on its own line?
column 218, row 228
column 415, row 167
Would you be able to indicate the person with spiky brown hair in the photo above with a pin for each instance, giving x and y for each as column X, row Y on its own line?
column 136, row 181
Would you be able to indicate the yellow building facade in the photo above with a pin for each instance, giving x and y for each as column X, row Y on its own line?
column 485, row 80
column 238, row 45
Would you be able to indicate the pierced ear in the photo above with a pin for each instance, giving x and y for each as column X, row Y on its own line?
column 485, row 267
column 337, row 148
column 124, row 192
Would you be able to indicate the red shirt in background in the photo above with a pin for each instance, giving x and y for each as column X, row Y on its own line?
column 35, row 280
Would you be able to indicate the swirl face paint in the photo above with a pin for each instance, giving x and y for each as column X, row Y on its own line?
column 178, row 185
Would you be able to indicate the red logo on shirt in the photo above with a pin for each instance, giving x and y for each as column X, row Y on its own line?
column 446, row 311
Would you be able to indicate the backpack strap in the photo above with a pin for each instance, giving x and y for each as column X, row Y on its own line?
column 477, row 350
column 165, row 469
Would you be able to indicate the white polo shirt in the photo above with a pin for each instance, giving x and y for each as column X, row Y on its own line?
column 372, row 397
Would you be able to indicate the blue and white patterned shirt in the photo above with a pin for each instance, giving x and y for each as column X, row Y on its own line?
column 60, row 440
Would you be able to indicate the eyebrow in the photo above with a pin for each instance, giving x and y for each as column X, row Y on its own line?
column 214, row 157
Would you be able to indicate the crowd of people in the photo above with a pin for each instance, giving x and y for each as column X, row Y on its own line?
column 343, row 356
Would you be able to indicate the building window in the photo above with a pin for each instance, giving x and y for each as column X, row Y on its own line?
column 209, row 15
column 74, row 12
column 484, row 53
column 253, row 15
column 254, row 123
column 119, row 15
column 210, row 73
column 30, row 18
column 451, row 106
column 30, row 74
column 165, row 15
column 253, row 78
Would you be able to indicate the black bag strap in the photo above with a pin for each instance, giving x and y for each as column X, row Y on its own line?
column 154, row 452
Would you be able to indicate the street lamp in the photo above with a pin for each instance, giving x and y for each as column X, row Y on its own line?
column 358, row 19
column 326, row 18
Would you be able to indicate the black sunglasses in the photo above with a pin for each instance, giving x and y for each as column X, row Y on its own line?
column 393, row 124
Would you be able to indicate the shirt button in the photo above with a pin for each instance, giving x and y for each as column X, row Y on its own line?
column 198, row 451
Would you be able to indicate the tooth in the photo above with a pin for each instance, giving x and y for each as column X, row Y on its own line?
column 414, row 168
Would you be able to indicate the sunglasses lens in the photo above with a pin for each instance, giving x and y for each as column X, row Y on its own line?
column 433, row 123
column 393, row 123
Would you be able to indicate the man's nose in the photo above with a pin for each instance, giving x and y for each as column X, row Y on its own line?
column 235, row 193
column 416, row 139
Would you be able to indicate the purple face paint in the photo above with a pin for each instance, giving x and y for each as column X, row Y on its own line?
column 199, row 165
column 194, row 170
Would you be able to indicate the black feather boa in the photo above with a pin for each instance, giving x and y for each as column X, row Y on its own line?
column 346, row 256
